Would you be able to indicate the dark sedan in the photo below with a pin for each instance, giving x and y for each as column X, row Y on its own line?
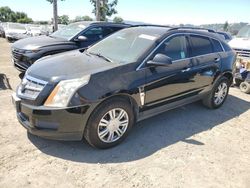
column 77, row 35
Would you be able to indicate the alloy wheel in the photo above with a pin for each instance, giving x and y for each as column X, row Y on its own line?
column 113, row 125
column 220, row 93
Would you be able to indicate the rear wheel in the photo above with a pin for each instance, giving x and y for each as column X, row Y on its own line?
column 245, row 87
column 109, row 124
column 218, row 94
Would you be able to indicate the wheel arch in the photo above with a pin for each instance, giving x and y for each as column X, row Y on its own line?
column 124, row 96
column 227, row 74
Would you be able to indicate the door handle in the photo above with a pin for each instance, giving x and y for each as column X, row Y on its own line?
column 185, row 69
column 217, row 59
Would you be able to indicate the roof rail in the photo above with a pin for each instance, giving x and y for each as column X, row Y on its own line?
column 103, row 22
column 153, row 25
column 194, row 28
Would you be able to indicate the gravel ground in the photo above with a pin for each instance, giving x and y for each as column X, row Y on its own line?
column 187, row 147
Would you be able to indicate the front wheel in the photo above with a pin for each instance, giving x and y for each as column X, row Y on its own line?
column 109, row 124
column 218, row 94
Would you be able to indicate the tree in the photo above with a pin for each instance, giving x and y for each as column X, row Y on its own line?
column 226, row 26
column 55, row 15
column 118, row 20
column 83, row 18
column 22, row 17
column 7, row 15
column 106, row 8
column 64, row 19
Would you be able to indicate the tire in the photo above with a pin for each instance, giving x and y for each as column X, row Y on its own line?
column 237, row 82
column 217, row 97
column 245, row 87
column 101, row 126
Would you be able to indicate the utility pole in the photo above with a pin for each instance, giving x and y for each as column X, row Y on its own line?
column 98, row 6
column 55, row 24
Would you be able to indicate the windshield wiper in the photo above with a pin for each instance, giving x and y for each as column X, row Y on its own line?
column 101, row 56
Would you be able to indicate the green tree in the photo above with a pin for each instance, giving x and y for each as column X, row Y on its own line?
column 55, row 15
column 25, row 20
column 22, row 17
column 83, row 18
column 64, row 19
column 226, row 26
column 118, row 20
column 6, row 14
column 106, row 8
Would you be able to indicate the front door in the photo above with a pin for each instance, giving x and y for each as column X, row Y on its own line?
column 166, row 84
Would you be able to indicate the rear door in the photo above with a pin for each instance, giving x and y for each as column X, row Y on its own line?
column 206, row 60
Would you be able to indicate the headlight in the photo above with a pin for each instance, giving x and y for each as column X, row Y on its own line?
column 64, row 90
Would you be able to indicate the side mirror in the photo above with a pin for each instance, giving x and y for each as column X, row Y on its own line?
column 160, row 60
column 81, row 38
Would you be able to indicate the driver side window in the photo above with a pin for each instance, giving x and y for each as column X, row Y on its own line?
column 175, row 48
column 94, row 34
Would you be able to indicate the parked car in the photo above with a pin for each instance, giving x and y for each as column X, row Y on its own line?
column 226, row 36
column 134, row 74
column 241, row 43
column 35, row 30
column 15, row 31
column 2, row 32
column 76, row 35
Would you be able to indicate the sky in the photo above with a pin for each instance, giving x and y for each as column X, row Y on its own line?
column 149, row 11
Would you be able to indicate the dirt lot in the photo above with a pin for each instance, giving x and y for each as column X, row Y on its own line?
column 186, row 147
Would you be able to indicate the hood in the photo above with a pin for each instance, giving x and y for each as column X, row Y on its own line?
column 240, row 43
column 33, row 43
column 68, row 65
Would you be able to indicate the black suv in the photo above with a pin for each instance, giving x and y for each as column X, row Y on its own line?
column 74, row 36
column 131, row 75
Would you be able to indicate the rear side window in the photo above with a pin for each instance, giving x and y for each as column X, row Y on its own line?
column 217, row 46
column 226, row 47
column 175, row 48
column 200, row 45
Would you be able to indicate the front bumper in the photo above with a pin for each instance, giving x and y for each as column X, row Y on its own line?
column 53, row 123
column 20, row 61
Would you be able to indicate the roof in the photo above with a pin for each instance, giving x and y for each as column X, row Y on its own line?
column 88, row 23
column 171, row 30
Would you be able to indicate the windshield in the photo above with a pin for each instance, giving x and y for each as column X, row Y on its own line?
column 244, row 32
column 69, row 31
column 127, row 45
column 16, row 26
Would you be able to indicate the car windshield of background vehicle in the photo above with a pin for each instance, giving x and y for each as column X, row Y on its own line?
column 127, row 45
column 69, row 31
column 244, row 32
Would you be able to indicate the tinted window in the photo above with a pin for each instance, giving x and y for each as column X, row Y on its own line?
column 109, row 30
column 226, row 46
column 176, row 48
column 217, row 46
column 201, row 45
column 128, row 45
column 95, row 33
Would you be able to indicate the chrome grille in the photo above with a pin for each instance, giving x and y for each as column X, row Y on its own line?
column 16, row 54
column 30, row 87
column 242, row 52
